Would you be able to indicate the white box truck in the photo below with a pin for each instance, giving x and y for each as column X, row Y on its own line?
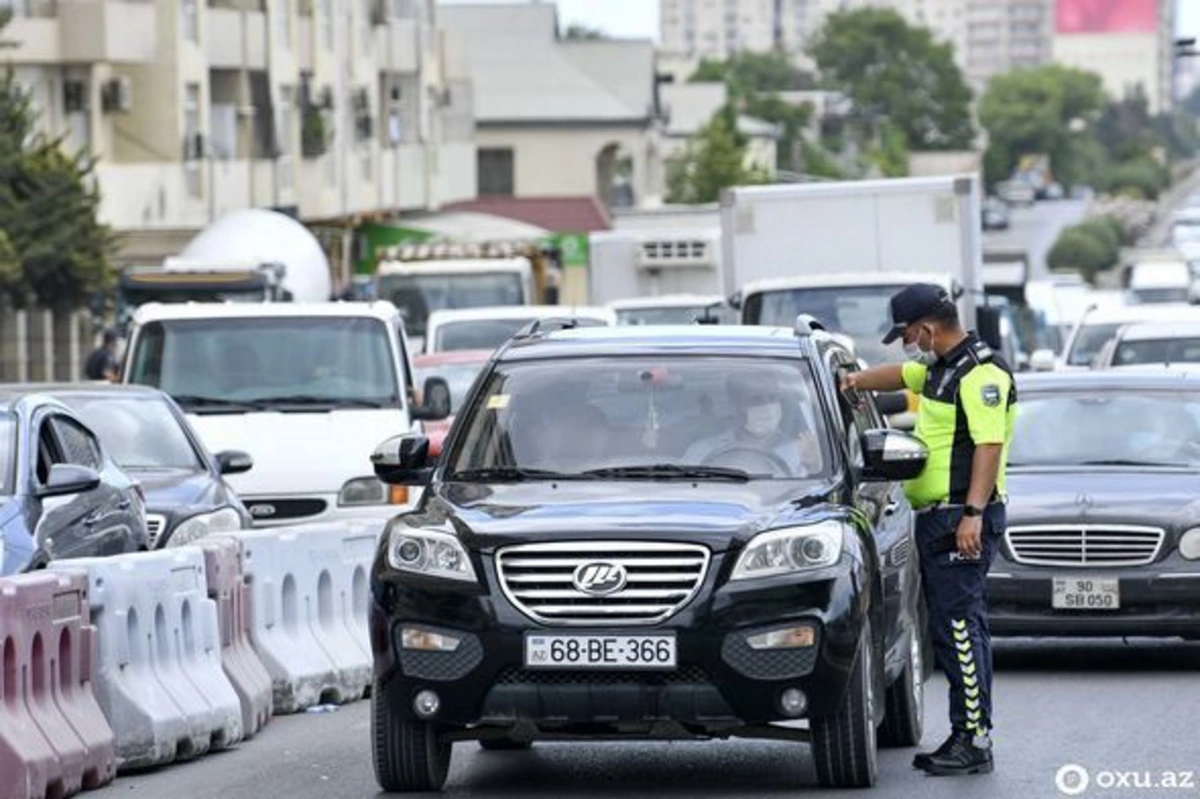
column 840, row 250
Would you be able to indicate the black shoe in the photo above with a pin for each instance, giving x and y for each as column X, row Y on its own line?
column 966, row 754
column 921, row 760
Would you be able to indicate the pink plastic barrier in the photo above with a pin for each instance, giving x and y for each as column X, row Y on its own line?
column 54, row 740
column 227, row 587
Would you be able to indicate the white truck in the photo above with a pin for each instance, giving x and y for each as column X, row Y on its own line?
column 840, row 250
column 646, row 263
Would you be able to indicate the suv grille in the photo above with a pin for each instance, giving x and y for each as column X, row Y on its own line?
column 267, row 509
column 1084, row 545
column 155, row 524
column 645, row 582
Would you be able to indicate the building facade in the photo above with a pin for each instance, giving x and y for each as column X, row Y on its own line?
column 327, row 109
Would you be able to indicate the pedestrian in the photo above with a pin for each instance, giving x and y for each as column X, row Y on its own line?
column 102, row 363
column 965, row 419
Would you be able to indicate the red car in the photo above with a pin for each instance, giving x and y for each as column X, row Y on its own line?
column 456, row 367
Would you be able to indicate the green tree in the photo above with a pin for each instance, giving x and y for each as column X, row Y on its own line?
column 579, row 32
column 48, row 211
column 714, row 160
column 896, row 72
column 1088, row 248
column 1045, row 110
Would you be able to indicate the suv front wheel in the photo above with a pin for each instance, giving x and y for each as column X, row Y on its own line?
column 844, row 744
column 408, row 755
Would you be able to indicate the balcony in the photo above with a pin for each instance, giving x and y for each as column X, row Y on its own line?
column 396, row 46
column 108, row 31
column 236, row 39
column 35, row 38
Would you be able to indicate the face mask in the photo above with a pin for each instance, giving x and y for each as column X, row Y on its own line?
column 762, row 420
column 914, row 352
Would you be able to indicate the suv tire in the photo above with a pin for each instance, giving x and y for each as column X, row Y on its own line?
column 408, row 755
column 844, row 744
column 904, row 700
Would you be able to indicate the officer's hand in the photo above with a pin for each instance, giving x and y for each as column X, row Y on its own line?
column 849, row 381
column 969, row 536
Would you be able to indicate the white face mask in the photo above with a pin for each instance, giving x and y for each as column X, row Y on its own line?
column 914, row 353
column 762, row 420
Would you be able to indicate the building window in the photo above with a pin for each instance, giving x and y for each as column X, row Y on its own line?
column 191, row 20
column 193, row 148
column 327, row 23
column 495, row 172
column 287, row 130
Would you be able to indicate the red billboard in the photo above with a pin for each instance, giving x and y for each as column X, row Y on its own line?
column 1107, row 16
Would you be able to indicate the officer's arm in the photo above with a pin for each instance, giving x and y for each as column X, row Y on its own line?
column 985, row 467
column 984, row 395
column 889, row 377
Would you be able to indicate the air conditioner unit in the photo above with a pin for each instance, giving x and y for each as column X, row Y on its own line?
column 117, row 95
column 684, row 251
column 74, row 96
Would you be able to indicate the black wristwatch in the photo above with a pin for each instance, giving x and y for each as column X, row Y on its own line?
column 971, row 510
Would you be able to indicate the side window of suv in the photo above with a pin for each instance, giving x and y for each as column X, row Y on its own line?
column 78, row 445
column 858, row 411
column 48, row 452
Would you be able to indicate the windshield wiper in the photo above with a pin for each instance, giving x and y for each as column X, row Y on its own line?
column 515, row 474
column 332, row 402
column 1128, row 462
column 201, row 404
column 668, row 471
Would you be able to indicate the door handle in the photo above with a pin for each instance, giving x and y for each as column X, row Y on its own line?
column 891, row 508
column 92, row 518
column 124, row 504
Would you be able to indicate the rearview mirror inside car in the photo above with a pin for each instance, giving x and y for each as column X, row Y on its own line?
column 436, row 401
column 234, row 461
column 403, row 460
column 68, row 478
column 892, row 455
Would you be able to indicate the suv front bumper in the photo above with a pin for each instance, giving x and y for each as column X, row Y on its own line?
column 719, row 681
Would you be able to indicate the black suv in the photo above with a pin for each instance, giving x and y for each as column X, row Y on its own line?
column 651, row 532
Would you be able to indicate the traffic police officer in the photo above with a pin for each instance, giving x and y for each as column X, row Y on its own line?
column 965, row 419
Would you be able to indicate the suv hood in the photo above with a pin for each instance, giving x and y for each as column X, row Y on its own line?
column 712, row 513
column 1116, row 495
column 300, row 453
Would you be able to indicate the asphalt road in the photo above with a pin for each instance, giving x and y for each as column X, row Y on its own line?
column 1035, row 229
column 1110, row 706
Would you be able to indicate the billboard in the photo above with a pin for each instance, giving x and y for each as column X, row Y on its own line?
column 1107, row 16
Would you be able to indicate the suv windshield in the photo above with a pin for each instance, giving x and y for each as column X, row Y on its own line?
column 860, row 312
column 687, row 417
column 140, row 433
column 476, row 334
column 257, row 362
column 417, row 296
column 8, row 448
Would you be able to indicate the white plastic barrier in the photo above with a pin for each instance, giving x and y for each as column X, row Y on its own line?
column 159, row 678
column 309, row 627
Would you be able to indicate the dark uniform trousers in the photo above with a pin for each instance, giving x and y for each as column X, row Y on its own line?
column 955, row 590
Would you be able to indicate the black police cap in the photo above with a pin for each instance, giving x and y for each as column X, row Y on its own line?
column 916, row 302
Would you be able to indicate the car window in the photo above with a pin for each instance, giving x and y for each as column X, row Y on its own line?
column 138, row 432
column 1090, row 339
column 459, row 376
column 574, row 415
column 476, row 334
column 78, row 445
column 1156, row 351
column 49, row 452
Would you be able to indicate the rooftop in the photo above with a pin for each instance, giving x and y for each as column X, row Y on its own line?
column 557, row 214
column 656, row 340
column 384, row 311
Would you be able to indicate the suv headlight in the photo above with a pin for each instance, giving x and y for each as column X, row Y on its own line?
column 430, row 553
column 225, row 520
column 371, row 491
column 1189, row 544
column 791, row 549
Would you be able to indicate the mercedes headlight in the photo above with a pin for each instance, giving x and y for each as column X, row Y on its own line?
column 1189, row 544
column 371, row 491
column 430, row 553
column 791, row 549
column 225, row 520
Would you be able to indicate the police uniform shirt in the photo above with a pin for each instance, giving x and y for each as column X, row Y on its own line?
column 968, row 398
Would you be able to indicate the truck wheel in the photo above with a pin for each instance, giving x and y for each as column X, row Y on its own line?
column 408, row 756
column 844, row 745
column 904, row 702
column 504, row 745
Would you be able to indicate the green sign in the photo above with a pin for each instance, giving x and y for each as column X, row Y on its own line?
column 376, row 237
column 574, row 247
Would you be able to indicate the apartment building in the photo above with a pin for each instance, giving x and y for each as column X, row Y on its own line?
column 333, row 110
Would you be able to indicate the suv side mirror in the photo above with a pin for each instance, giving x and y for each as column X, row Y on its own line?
column 233, row 461
column 68, row 478
column 892, row 455
column 403, row 460
column 436, row 401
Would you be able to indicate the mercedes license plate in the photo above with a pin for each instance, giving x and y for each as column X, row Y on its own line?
column 600, row 651
column 1086, row 593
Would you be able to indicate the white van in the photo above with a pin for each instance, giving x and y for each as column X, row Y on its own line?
column 489, row 327
column 1098, row 325
column 309, row 390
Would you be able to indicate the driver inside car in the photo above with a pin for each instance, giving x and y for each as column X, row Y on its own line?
column 770, row 434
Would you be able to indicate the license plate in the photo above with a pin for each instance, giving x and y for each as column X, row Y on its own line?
column 600, row 651
column 1086, row 593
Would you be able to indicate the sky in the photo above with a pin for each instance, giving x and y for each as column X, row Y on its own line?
column 639, row 18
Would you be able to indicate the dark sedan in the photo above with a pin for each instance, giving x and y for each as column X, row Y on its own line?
column 1104, row 509
column 148, row 435
column 61, row 495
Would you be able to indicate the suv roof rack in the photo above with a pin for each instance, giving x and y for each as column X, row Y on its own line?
column 553, row 324
column 806, row 325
